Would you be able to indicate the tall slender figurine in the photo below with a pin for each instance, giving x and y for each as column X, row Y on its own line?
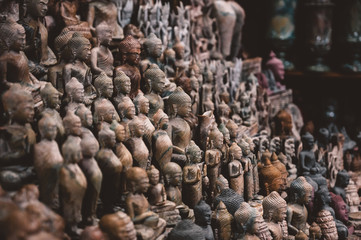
column 153, row 50
column 111, row 168
column 179, row 130
column 301, row 192
column 202, row 214
column 94, row 176
column 122, row 87
column 148, row 224
column 48, row 162
column 156, row 78
column 73, row 184
column 130, row 57
column 17, row 139
column 101, row 57
column 142, row 105
column 75, row 94
column 36, row 49
column 235, row 169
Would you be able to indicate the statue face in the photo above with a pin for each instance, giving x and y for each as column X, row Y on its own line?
column 237, row 154
column 53, row 101
column 233, row 131
column 142, row 185
column 205, row 218
column 19, row 41
column 88, row 118
column 246, row 148
column 110, row 140
column 307, row 197
column 84, row 52
column 125, row 86
column 133, row 58
column 196, row 157
column 76, row 157
column 38, row 8
column 109, row 115
column 50, row 131
column 139, row 130
column 120, row 133
column 154, row 178
column 341, row 211
column 164, row 123
column 159, row 84
column 90, row 150
column 75, row 128
column 108, row 91
column 156, row 48
column 105, row 36
column 144, row 106
column 24, row 112
column 130, row 111
column 78, row 95
column 279, row 214
column 184, row 109
column 218, row 141
column 176, row 179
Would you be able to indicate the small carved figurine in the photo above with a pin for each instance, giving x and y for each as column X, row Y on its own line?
column 352, row 197
column 245, row 218
column 222, row 222
column 300, row 194
column 75, row 93
column 270, row 177
column 202, row 214
column 72, row 184
column 153, row 50
column 327, row 224
column 156, row 78
column 117, row 226
column 17, row 139
column 235, row 169
column 142, row 105
column 274, row 212
column 122, row 87
column 130, row 51
column 161, row 143
column 148, row 224
column 48, row 162
column 90, row 146
column 136, row 145
column 101, row 57
column 111, row 168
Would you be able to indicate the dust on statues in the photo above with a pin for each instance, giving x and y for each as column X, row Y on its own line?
column 157, row 198
column 148, row 224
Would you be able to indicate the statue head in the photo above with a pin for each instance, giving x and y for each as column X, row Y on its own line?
column 136, row 127
column 142, row 104
column 118, row 226
column 129, row 48
column 104, row 33
column 245, row 147
column 153, row 175
column 221, row 183
column 85, row 115
column 160, row 120
column 281, row 167
column 47, row 127
column 153, row 46
column 283, row 124
column 307, row 141
column 36, row 8
column 180, row 103
column 13, row 37
column 126, row 108
column 156, row 77
column 216, row 137
column 169, row 56
column 19, row 105
column 245, row 217
column 224, row 130
column 232, row 128
column 223, row 110
column 193, row 152
column 342, row 179
column 340, row 207
column 50, row 96
column 104, row 85
column 104, row 111
column 235, row 151
column 274, row 207
column 322, row 197
column 202, row 213
column 270, row 177
column 75, row 90
column 122, row 82
column 172, row 174
column 119, row 130
column 106, row 138
column 179, row 48
column 72, row 124
column 301, row 191
column 186, row 229
column 80, row 47
column 89, row 146
column 137, row 180
column 71, row 151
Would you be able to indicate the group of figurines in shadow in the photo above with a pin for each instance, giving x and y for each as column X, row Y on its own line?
column 122, row 136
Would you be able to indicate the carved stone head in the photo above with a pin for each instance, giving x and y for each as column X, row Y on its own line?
column 118, row 226
column 172, row 174
column 137, row 180
column 85, row 115
column 72, row 124
column 106, row 138
column 160, row 120
column 104, row 111
column 13, row 37
column 19, row 105
column 71, row 150
column 270, row 177
column 202, row 214
column 47, row 127
column 104, row 85
column 180, row 103
column 142, row 104
column 75, row 90
column 37, row 8
column 156, row 77
column 194, row 153
column 153, row 46
column 274, row 207
column 232, row 128
column 126, row 108
column 130, row 50
column 245, row 217
column 50, row 96
column 104, row 33
column 80, row 47
column 216, row 137
column 301, row 191
column 153, row 175
column 235, row 151
column 122, row 82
